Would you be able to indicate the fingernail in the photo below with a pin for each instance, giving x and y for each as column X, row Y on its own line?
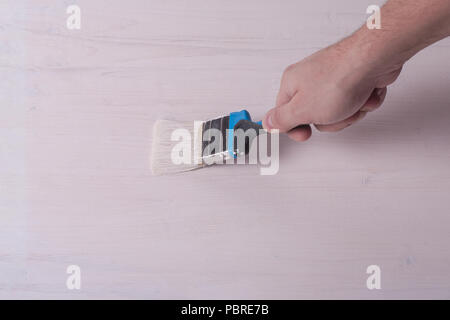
column 362, row 114
column 269, row 121
column 379, row 92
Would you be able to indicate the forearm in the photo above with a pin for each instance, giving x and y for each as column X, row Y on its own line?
column 407, row 26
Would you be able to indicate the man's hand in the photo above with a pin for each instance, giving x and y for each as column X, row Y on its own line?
column 331, row 89
column 337, row 86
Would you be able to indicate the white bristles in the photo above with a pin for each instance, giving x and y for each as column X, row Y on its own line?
column 163, row 146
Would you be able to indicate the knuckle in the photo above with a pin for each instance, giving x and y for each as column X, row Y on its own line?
column 289, row 69
column 297, row 111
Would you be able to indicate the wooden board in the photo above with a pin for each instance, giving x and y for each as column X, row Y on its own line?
column 76, row 113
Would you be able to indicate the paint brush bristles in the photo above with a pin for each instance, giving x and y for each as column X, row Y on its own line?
column 169, row 137
column 187, row 145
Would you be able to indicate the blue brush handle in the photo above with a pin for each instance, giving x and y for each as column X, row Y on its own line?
column 235, row 117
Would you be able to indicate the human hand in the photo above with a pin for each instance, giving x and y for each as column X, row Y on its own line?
column 337, row 86
column 331, row 89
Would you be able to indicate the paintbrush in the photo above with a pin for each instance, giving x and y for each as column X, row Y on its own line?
column 187, row 145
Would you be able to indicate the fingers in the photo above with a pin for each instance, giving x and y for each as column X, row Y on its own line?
column 300, row 133
column 338, row 126
column 290, row 112
column 283, row 97
column 286, row 116
column 375, row 100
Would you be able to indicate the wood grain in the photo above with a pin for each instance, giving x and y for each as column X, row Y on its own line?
column 76, row 112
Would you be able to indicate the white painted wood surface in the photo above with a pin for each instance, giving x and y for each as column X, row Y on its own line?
column 76, row 112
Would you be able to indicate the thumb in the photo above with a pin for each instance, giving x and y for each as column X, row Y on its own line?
column 286, row 116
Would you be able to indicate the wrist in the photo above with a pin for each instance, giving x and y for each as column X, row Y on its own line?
column 380, row 49
column 368, row 57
